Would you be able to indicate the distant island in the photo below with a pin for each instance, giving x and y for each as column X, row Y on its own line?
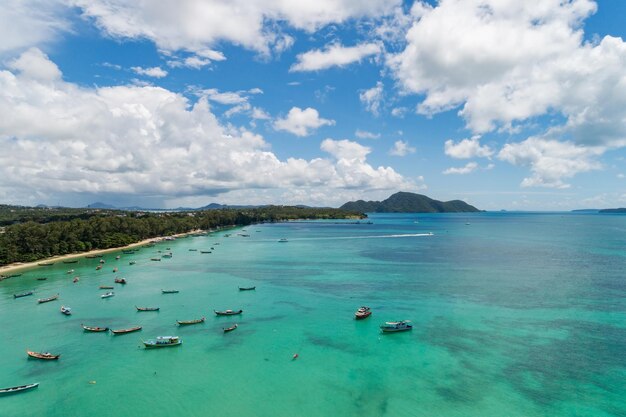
column 404, row 202
column 613, row 210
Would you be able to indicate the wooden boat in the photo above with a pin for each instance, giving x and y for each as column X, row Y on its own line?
column 156, row 259
column 124, row 331
column 94, row 329
column 91, row 256
column 18, row 388
column 99, row 267
column 75, row 280
column 46, row 264
column 120, row 280
column 66, row 310
column 45, row 355
column 45, row 300
column 186, row 322
column 108, row 295
column 70, row 261
column 167, row 255
column 205, row 251
column 227, row 312
column 147, row 308
column 362, row 313
column 283, row 240
column 170, row 291
column 247, row 288
column 23, row 294
column 193, row 250
column 118, row 257
column 163, row 341
column 106, row 287
column 115, row 269
column 42, row 278
column 230, row 329
column 132, row 262
column 102, row 261
column 396, row 326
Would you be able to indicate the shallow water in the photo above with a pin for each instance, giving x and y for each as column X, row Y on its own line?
column 516, row 314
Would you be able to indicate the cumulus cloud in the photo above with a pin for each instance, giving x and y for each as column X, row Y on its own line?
column 373, row 98
column 401, row 148
column 145, row 141
column 24, row 23
column 196, row 25
column 302, row 122
column 467, row 148
column 364, row 134
column 156, row 72
column 550, row 161
column 399, row 112
column 334, row 55
column 467, row 169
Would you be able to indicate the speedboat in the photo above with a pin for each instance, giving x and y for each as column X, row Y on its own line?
column 362, row 312
column 228, row 312
column 107, row 295
column 396, row 326
column 66, row 310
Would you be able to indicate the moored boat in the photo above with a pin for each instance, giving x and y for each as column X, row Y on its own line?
column 120, row 280
column 362, row 313
column 46, row 264
column 18, row 388
column 193, row 250
column 23, row 294
column 91, row 256
column 283, row 240
column 42, row 278
column 155, row 259
column 170, row 291
column 106, row 287
column 94, row 328
column 99, row 267
column 147, row 308
column 396, row 326
column 107, row 295
column 45, row 300
column 66, row 310
column 205, row 251
column 167, row 255
column 70, row 261
column 247, row 288
column 186, row 322
column 163, row 341
column 229, row 329
column 124, row 331
column 42, row 355
column 132, row 262
column 227, row 312
column 71, row 271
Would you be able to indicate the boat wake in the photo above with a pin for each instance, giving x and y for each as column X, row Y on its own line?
column 395, row 236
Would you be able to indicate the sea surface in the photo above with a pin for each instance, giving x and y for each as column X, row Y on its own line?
column 514, row 314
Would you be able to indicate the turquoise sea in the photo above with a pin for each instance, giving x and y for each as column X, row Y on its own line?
column 514, row 314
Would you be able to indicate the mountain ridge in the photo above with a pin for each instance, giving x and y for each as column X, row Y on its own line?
column 405, row 202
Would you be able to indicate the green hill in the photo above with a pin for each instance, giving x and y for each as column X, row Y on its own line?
column 403, row 202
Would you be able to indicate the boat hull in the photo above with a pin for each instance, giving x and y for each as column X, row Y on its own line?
column 19, row 388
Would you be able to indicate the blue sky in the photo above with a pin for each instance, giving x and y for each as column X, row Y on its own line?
column 182, row 103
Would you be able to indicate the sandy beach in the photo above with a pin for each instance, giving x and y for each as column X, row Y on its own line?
column 17, row 267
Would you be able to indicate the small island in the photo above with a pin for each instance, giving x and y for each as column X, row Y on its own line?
column 621, row 210
column 403, row 202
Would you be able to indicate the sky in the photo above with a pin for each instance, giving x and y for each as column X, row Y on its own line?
column 168, row 103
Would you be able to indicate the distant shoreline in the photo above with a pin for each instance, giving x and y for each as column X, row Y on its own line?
column 19, row 266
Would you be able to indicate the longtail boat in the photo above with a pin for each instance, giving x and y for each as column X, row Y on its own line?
column 42, row 278
column 205, row 251
column 46, row 264
column 23, row 294
column 230, row 329
column 120, row 280
column 124, row 331
column 92, row 256
column 227, row 312
column 45, row 355
column 106, row 287
column 186, row 322
column 147, row 308
column 70, row 261
column 247, row 288
column 163, row 341
column 95, row 329
column 45, row 300
column 170, row 291
column 18, row 388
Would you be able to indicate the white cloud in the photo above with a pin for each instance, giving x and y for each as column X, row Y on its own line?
column 260, row 114
column 197, row 25
column 155, row 72
column 399, row 112
column 620, row 176
column 467, row 148
column 334, row 55
column 131, row 140
column 227, row 97
column 25, row 23
column 550, row 161
column 302, row 122
column 467, row 169
column 373, row 98
column 364, row 134
column 401, row 148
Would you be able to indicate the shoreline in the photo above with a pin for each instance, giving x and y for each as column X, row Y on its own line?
column 19, row 266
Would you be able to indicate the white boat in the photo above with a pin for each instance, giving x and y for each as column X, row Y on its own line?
column 283, row 240
column 107, row 295
column 66, row 310
column 396, row 326
column 163, row 341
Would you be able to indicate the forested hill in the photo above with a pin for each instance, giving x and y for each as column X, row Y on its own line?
column 34, row 234
column 403, row 202
column 613, row 210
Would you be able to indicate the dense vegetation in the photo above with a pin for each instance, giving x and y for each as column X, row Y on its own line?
column 35, row 234
column 409, row 203
column 614, row 210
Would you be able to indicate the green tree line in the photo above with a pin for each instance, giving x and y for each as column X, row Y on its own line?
column 38, row 237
